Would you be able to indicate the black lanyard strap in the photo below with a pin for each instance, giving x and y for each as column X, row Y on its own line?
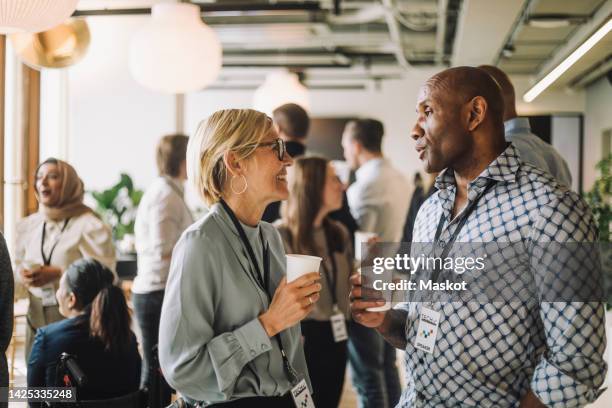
column 262, row 281
column 466, row 214
column 47, row 260
column 331, row 276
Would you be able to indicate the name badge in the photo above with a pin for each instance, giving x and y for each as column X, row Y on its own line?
column 48, row 295
column 338, row 324
column 301, row 395
column 427, row 330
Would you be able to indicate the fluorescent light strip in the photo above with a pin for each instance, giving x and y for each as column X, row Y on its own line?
column 567, row 62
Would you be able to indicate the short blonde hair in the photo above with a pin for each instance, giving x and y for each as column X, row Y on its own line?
column 237, row 130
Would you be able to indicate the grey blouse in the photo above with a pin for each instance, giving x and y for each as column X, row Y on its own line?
column 212, row 346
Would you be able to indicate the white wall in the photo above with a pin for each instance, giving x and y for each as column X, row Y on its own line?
column 114, row 123
column 597, row 118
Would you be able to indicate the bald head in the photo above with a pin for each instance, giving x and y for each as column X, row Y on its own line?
column 462, row 84
column 507, row 89
column 459, row 120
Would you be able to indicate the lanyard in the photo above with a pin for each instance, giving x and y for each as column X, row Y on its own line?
column 468, row 211
column 47, row 260
column 331, row 278
column 262, row 281
column 173, row 186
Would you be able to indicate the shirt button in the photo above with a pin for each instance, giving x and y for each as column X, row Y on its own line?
column 441, row 244
column 253, row 352
column 263, row 347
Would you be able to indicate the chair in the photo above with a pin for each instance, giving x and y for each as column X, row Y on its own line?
column 69, row 374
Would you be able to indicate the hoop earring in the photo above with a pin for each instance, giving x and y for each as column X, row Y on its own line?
column 246, row 185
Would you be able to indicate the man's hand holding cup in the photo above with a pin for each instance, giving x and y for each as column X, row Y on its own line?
column 360, row 301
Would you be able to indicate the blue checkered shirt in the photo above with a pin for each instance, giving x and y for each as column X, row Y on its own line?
column 491, row 354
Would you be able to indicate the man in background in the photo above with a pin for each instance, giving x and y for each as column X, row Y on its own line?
column 531, row 148
column 378, row 200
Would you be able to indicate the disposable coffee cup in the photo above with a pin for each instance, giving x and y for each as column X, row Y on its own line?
column 299, row 265
column 362, row 237
column 367, row 280
column 31, row 266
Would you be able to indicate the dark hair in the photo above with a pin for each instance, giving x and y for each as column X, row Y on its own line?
column 171, row 153
column 292, row 120
column 305, row 201
column 368, row 132
column 92, row 285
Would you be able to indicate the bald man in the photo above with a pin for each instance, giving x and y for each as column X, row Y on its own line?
column 532, row 149
column 498, row 353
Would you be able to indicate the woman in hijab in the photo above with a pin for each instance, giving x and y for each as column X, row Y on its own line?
column 62, row 231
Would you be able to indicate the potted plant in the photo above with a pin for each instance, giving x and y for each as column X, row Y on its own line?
column 117, row 206
column 600, row 201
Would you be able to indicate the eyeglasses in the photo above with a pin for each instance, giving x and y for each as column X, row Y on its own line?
column 279, row 146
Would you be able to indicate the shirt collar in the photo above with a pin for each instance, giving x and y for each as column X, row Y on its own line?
column 516, row 125
column 368, row 167
column 503, row 168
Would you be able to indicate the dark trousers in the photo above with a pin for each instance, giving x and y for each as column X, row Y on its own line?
column 373, row 368
column 255, row 402
column 147, row 308
column 326, row 362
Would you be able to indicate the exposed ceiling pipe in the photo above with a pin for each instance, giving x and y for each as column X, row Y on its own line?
column 441, row 31
column 593, row 74
column 509, row 43
column 213, row 7
column 364, row 15
column 395, row 34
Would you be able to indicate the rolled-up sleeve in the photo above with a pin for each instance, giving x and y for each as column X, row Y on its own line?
column 573, row 368
column 196, row 361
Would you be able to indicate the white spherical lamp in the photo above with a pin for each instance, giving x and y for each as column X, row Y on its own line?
column 279, row 88
column 175, row 52
column 33, row 16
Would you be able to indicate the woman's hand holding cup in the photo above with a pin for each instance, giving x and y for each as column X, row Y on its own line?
column 291, row 303
column 36, row 275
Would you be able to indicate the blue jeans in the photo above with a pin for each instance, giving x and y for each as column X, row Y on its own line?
column 373, row 369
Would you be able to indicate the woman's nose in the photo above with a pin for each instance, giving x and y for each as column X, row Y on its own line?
column 287, row 159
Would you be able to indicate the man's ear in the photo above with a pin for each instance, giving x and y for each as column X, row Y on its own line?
column 477, row 111
column 234, row 166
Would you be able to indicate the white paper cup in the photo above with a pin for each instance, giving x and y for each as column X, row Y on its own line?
column 298, row 265
column 362, row 237
column 386, row 276
column 30, row 266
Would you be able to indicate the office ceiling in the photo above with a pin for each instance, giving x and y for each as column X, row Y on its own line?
column 523, row 37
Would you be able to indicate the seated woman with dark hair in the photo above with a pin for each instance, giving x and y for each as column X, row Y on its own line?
column 96, row 331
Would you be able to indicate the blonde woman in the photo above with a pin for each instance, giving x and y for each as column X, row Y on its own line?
column 306, row 228
column 47, row 242
column 229, row 330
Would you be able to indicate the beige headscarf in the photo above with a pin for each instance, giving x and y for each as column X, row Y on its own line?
column 70, row 202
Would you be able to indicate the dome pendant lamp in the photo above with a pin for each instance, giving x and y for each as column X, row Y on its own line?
column 175, row 52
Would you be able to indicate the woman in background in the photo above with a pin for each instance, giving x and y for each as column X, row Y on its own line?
column 96, row 331
column 314, row 192
column 62, row 231
column 161, row 218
